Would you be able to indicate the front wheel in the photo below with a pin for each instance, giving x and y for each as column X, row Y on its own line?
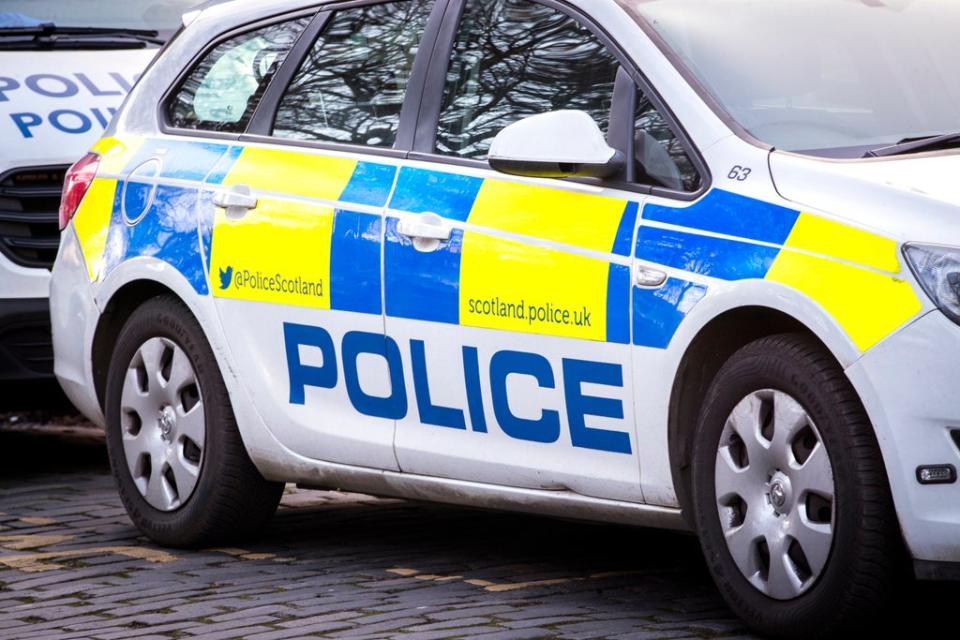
column 180, row 465
column 790, row 493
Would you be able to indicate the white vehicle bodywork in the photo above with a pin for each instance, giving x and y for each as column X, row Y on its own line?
column 904, row 376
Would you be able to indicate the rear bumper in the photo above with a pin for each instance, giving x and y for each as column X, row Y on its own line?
column 74, row 316
column 26, row 348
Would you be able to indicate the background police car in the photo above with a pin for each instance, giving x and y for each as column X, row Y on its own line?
column 58, row 91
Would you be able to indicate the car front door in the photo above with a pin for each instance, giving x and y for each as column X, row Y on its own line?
column 510, row 297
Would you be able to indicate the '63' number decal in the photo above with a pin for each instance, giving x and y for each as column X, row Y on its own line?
column 739, row 173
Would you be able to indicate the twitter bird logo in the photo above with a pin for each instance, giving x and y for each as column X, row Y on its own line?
column 226, row 277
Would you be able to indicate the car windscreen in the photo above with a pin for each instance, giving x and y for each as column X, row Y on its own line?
column 163, row 16
column 825, row 77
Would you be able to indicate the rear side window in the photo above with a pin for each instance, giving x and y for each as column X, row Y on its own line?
column 513, row 59
column 222, row 91
column 350, row 87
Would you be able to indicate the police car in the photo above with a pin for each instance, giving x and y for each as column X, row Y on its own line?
column 65, row 67
column 675, row 263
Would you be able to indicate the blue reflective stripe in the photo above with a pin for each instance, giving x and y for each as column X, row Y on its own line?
column 419, row 285
column 618, row 304
column 657, row 313
column 180, row 160
column 370, row 184
column 166, row 232
column 355, row 262
column 624, row 238
column 446, row 194
column 730, row 214
column 706, row 255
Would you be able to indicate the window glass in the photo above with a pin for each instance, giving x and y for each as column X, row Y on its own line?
column 821, row 77
column 513, row 59
column 660, row 156
column 223, row 90
column 350, row 87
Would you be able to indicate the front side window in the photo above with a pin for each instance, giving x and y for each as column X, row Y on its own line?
column 351, row 86
column 661, row 158
column 513, row 59
column 223, row 90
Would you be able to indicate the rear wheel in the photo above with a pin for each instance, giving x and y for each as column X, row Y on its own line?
column 791, row 498
column 180, row 465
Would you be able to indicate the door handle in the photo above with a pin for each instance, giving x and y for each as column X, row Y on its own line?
column 649, row 278
column 426, row 226
column 237, row 200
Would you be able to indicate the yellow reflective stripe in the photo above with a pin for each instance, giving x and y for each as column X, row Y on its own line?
column 868, row 305
column 92, row 223
column 513, row 286
column 115, row 153
column 279, row 253
column 579, row 219
column 290, row 172
column 837, row 240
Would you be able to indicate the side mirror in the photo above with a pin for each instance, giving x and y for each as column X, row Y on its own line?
column 559, row 144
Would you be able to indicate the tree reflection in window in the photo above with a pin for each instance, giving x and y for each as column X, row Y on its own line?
column 223, row 90
column 513, row 59
column 350, row 88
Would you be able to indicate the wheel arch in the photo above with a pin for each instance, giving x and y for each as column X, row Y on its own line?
column 710, row 348
column 121, row 304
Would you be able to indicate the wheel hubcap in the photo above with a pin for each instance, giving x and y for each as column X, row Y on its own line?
column 162, row 423
column 775, row 494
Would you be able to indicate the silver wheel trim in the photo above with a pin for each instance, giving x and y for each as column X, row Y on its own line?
column 771, row 501
column 162, row 424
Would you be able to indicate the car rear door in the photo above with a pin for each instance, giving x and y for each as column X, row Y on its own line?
column 293, row 232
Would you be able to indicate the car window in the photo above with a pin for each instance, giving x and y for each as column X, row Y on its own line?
column 513, row 59
column 223, row 90
column 660, row 156
column 351, row 85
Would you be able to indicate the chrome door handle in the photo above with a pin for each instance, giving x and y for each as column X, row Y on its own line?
column 237, row 200
column 648, row 278
column 426, row 226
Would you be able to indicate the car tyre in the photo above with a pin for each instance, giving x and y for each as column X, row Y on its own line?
column 183, row 473
column 851, row 551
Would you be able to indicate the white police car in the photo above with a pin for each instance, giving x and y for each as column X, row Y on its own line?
column 680, row 263
column 65, row 67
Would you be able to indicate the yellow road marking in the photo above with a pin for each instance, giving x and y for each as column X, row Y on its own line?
column 38, row 562
column 243, row 554
column 501, row 587
column 38, row 521
column 21, row 542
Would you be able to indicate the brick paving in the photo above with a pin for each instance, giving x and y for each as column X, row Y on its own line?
column 332, row 565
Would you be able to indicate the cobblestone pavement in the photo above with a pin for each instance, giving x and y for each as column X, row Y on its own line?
column 337, row 566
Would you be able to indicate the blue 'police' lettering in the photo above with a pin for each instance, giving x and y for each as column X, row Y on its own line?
column 471, row 379
column 61, row 121
column 502, row 365
column 301, row 375
column 93, row 88
column 25, row 122
column 429, row 412
column 575, row 373
column 7, row 84
column 392, row 407
column 67, row 87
